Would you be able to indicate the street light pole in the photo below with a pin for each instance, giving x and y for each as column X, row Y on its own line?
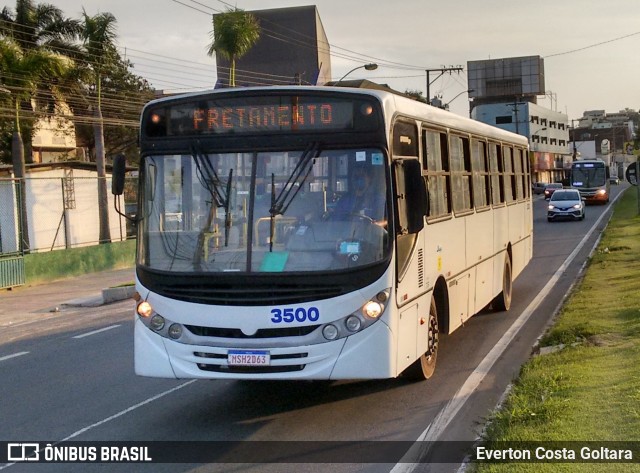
column 449, row 102
column 369, row 67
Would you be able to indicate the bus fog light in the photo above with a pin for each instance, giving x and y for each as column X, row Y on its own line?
column 330, row 332
column 157, row 322
column 353, row 323
column 144, row 309
column 372, row 309
column 175, row 331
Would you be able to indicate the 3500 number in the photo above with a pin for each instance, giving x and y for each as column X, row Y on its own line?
column 299, row 314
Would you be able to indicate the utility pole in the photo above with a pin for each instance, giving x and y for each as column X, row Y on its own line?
column 515, row 111
column 573, row 133
column 451, row 69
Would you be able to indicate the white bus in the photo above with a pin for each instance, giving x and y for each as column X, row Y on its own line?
column 250, row 264
column 591, row 178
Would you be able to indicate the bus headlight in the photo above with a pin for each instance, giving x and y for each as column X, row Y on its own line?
column 353, row 323
column 157, row 322
column 144, row 309
column 372, row 309
column 370, row 312
column 330, row 332
column 175, row 331
column 602, row 191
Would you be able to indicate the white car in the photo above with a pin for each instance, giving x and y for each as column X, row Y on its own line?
column 565, row 203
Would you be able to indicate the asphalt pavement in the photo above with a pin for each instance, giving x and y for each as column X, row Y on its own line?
column 23, row 303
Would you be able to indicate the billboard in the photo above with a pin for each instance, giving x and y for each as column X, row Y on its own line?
column 506, row 77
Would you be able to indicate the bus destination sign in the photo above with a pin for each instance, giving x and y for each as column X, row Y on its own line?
column 255, row 115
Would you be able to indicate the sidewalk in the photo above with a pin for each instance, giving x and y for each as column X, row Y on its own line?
column 81, row 291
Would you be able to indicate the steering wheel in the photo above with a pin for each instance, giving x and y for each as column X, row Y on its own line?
column 362, row 218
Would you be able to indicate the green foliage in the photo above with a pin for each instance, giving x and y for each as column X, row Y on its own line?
column 589, row 388
column 60, row 264
column 234, row 34
column 89, row 47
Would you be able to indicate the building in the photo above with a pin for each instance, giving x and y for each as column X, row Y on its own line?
column 292, row 49
column 62, row 208
column 607, row 136
column 504, row 94
column 54, row 139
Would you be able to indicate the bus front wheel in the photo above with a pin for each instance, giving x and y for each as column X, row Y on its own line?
column 424, row 367
column 502, row 301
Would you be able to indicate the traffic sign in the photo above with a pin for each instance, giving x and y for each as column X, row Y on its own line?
column 632, row 173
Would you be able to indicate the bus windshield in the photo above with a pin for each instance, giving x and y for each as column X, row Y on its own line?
column 278, row 211
column 587, row 176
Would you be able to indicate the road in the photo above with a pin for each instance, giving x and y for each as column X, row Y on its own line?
column 70, row 377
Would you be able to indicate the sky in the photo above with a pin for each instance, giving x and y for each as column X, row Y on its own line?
column 590, row 47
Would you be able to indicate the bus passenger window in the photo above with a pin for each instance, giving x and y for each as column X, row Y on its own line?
column 460, row 174
column 436, row 164
column 495, row 168
column 508, row 176
column 481, row 186
column 405, row 139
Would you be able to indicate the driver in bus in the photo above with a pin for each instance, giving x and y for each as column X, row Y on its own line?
column 364, row 197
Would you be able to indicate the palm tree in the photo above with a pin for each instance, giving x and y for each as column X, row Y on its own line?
column 234, row 34
column 22, row 72
column 38, row 26
column 98, row 35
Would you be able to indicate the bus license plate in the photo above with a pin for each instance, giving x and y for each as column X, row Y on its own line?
column 248, row 358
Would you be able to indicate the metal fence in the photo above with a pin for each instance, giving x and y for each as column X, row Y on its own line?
column 59, row 212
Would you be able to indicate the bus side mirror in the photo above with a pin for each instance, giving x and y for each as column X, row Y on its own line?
column 118, row 172
column 117, row 183
column 411, row 196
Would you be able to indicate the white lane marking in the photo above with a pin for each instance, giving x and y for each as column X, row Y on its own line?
column 445, row 416
column 88, row 334
column 115, row 416
column 14, row 355
column 127, row 410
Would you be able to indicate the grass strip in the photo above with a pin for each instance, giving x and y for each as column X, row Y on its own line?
column 589, row 389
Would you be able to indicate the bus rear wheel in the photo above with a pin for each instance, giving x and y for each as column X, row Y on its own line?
column 424, row 367
column 502, row 301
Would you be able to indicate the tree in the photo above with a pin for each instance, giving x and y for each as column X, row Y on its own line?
column 234, row 34
column 38, row 27
column 98, row 35
column 415, row 95
column 22, row 72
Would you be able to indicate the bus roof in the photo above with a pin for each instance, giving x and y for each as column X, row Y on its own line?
column 392, row 102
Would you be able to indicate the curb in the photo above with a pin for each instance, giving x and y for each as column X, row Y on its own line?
column 114, row 294
column 109, row 295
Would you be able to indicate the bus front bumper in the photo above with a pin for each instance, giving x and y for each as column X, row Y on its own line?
column 364, row 355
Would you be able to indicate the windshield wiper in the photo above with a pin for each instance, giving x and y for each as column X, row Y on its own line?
column 220, row 198
column 298, row 177
column 294, row 184
column 209, row 177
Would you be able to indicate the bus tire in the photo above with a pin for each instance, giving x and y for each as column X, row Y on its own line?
column 424, row 367
column 502, row 302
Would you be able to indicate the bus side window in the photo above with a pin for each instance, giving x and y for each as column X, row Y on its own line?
column 405, row 139
column 495, row 168
column 436, row 169
column 508, row 176
column 518, row 174
column 526, row 185
column 480, row 169
column 460, row 162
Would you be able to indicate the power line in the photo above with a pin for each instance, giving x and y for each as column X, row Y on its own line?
column 593, row 45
